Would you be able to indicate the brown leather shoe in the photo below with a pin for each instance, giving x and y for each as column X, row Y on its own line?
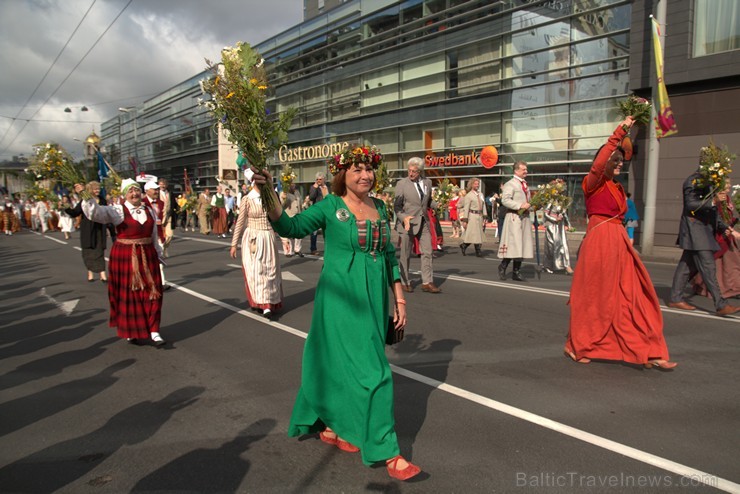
column 407, row 288
column 727, row 310
column 681, row 305
column 430, row 288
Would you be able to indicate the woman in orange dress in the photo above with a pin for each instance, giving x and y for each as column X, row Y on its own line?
column 614, row 310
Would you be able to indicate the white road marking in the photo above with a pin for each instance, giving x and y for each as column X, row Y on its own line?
column 587, row 437
column 66, row 307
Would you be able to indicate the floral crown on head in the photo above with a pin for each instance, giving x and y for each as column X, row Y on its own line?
column 361, row 155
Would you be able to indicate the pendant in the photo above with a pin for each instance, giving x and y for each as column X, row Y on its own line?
column 342, row 215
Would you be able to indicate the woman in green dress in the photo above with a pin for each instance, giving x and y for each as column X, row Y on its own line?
column 346, row 389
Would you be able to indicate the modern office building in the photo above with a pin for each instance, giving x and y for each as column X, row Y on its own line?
column 539, row 80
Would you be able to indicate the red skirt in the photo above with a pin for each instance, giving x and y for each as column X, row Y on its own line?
column 614, row 310
column 218, row 220
column 135, row 313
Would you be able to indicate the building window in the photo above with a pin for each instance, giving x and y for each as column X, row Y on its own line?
column 716, row 26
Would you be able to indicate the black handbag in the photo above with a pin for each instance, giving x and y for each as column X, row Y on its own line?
column 393, row 335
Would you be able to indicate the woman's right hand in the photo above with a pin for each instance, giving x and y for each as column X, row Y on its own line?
column 628, row 122
column 232, row 252
column 261, row 177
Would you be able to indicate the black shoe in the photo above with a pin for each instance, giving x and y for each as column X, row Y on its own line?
column 133, row 341
column 478, row 252
column 516, row 276
column 300, row 254
column 502, row 272
column 462, row 249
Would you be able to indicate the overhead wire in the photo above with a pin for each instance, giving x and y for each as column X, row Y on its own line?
column 68, row 76
column 49, row 69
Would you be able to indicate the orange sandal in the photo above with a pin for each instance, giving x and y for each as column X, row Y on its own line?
column 410, row 471
column 660, row 364
column 346, row 447
column 328, row 439
column 572, row 356
column 337, row 441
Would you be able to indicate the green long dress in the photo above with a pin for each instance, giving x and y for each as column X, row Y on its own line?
column 347, row 383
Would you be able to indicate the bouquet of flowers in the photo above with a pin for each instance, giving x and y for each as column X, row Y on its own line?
column 715, row 165
column 555, row 192
column 442, row 195
column 287, row 177
column 637, row 108
column 368, row 155
column 382, row 180
column 238, row 93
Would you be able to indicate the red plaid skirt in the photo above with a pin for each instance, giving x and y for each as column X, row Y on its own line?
column 133, row 312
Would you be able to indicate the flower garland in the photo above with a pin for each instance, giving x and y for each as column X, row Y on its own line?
column 367, row 155
column 238, row 94
column 715, row 166
column 555, row 192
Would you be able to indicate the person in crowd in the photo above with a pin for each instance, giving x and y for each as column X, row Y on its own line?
column 614, row 310
column 229, row 204
column 28, row 206
column 516, row 237
column 204, row 206
column 292, row 205
column 727, row 258
column 631, row 218
column 152, row 200
column 413, row 199
column 473, row 217
column 461, row 200
column 7, row 208
column 66, row 223
column 260, row 264
column 218, row 213
column 557, row 254
column 92, row 235
column 182, row 212
column 316, row 194
column 135, row 288
column 346, row 389
column 700, row 226
column 454, row 218
column 168, row 214
column 43, row 214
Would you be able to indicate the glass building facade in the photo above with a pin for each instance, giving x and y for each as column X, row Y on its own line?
column 539, row 80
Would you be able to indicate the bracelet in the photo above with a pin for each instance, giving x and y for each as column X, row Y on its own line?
column 401, row 301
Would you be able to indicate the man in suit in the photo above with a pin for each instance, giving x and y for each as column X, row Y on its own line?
column 204, row 203
column 316, row 193
column 696, row 236
column 413, row 198
column 516, row 238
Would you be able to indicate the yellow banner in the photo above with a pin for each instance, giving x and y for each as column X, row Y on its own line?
column 665, row 124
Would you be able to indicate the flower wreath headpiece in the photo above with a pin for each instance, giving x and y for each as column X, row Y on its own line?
column 367, row 155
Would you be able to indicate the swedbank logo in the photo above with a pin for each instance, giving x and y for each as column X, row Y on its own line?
column 488, row 158
column 320, row 151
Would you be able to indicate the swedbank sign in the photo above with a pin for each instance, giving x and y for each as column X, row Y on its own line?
column 452, row 159
column 320, row 151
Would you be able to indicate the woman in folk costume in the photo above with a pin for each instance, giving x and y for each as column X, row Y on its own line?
column 557, row 254
column 346, row 392
column 472, row 216
column 135, row 288
column 260, row 265
column 614, row 310
column 92, row 236
column 7, row 208
column 219, row 217
column 66, row 223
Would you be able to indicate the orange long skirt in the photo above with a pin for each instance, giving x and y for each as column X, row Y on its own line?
column 614, row 310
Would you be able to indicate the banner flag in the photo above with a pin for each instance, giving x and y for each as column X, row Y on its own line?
column 102, row 167
column 665, row 124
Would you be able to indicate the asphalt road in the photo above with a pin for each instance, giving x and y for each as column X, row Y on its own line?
column 485, row 399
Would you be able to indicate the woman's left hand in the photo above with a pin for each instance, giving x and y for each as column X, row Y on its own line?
column 400, row 316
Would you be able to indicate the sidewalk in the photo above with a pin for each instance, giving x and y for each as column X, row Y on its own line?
column 669, row 255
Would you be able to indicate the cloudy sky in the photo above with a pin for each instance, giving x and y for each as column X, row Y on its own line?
column 118, row 53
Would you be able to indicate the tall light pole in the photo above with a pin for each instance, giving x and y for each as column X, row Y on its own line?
column 136, row 137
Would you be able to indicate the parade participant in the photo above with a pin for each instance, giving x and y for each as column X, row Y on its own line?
column 316, row 194
column 473, row 216
column 183, row 213
column 229, row 204
column 413, row 197
column 218, row 213
column 557, row 254
column 727, row 258
column 631, row 218
column 204, row 204
column 92, row 236
column 66, row 223
column 7, row 209
column 347, row 386
column 168, row 208
column 260, row 265
column 697, row 235
column 292, row 205
column 135, row 288
column 614, row 310
column 516, row 238
column 454, row 218
column 151, row 199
